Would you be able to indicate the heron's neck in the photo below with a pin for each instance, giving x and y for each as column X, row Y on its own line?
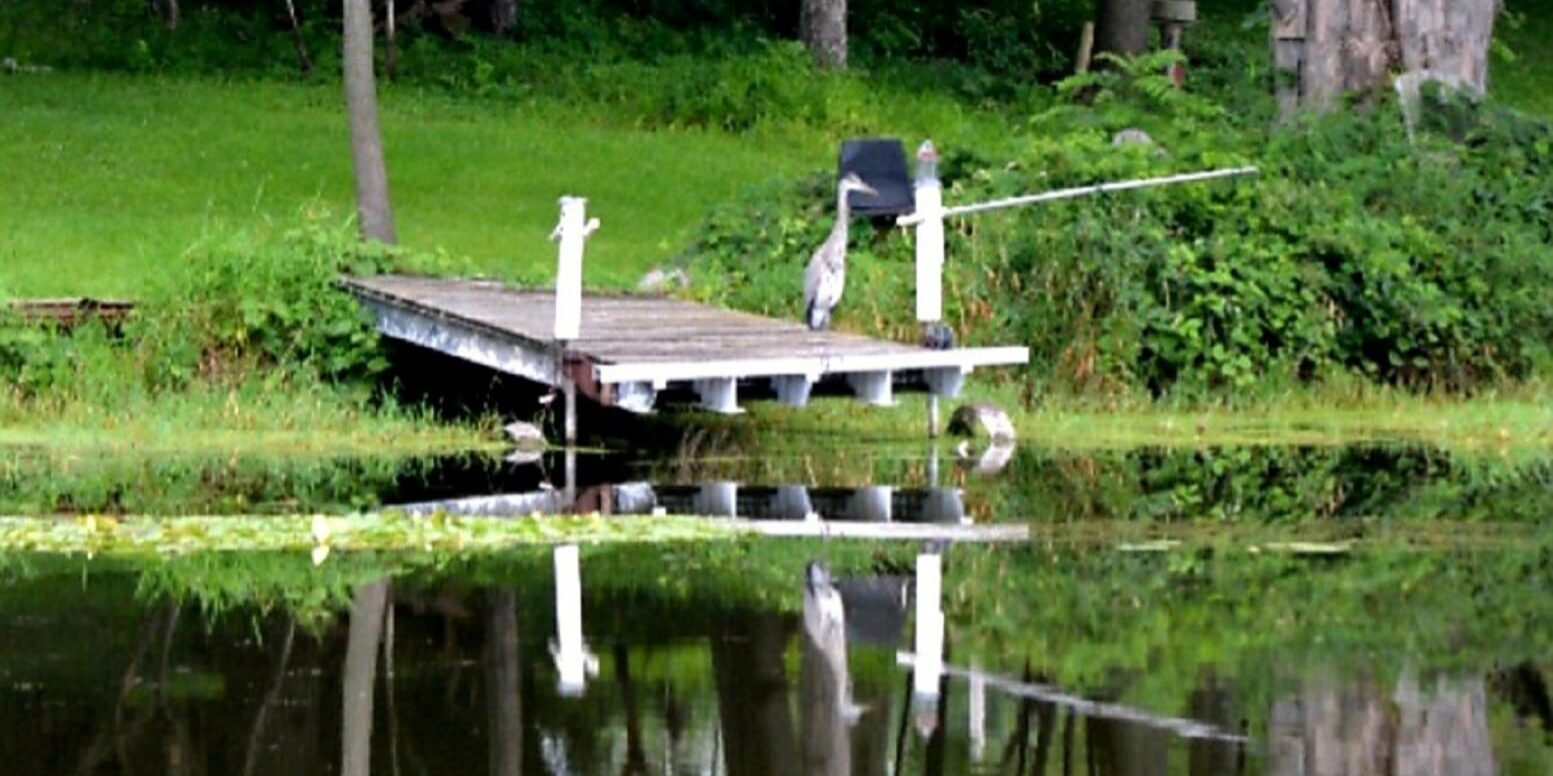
column 843, row 214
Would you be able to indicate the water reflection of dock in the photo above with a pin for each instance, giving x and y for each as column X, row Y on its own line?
column 873, row 503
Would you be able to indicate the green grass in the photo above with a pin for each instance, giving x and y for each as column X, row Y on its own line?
column 110, row 178
column 256, row 418
column 1519, row 423
column 1526, row 82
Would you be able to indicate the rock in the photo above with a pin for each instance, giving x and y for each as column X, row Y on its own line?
column 527, row 438
column 1131, row 136
column 659, row 280
column 982, row 419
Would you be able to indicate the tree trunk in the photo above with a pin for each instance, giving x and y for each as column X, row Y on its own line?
column 167, row 11
column 372, row 206
column 504, row 17
column 503, row 683
column 304, row 58
column 360, row 674
column 1447, row 36
column 1122, row 27
column 1325, row 49
column 823, row 25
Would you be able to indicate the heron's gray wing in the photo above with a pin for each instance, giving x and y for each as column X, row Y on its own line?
column 812, row 275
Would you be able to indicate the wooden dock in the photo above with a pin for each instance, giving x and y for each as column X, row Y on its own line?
column 632, row 348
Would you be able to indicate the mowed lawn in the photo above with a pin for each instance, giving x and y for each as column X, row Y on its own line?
column 106, row 180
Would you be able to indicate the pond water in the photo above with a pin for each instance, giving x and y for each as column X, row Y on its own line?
column 1426, row 653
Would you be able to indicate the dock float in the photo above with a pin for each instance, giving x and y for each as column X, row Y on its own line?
column 631, row 349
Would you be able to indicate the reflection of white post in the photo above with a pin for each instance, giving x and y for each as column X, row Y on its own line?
column 572, row 660
column 929, row 667
column 978, row 712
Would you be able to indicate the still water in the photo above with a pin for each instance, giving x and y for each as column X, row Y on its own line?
column 1428, row 657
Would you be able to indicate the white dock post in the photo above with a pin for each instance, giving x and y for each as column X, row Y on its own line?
column 929, row 665
column 929, row 200
column 572, row 660
column 572, row 230
column 928, row 194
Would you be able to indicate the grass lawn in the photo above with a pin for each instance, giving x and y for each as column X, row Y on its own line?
column 111, row 177
column 1527, row 81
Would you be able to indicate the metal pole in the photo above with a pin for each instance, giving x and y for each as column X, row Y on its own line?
column 1099, row 188
column 569, row 391
column 932, row 416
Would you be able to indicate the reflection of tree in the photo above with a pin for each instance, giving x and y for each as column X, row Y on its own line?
column 503, row 683
column 1214, row 702
column 1118, row 748
column 1351, row 729
column 752, row 697
column 636, row 756
column 271, row 697
column 1017, row 750
column 366, row 631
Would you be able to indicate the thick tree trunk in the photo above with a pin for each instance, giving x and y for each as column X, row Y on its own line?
column 372, row 206
column 1447, row 36
column 504, row 17
column 823, row 25
column 1122, row 27
column 1325, row 49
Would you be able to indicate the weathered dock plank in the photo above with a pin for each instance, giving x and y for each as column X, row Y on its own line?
column 631, row 347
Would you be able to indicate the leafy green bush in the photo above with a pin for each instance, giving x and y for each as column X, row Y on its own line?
column 1421, row 262
column 242, row 303
column 235, row 309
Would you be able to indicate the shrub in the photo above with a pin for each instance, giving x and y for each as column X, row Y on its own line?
column 1423, row 263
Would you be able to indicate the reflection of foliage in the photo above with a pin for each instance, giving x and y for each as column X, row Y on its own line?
column 1287, row 484
column 118, row 484
column 1091, row 618
column 707, row 578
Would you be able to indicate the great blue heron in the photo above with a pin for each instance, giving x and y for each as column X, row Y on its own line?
column 826, row 276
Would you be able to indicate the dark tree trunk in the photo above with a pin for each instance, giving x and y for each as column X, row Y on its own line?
column 1122, row 27
column 503, row 684
column 360, row 674
column 167, row 11
column 304, row 58
column 1325, row 49
column 823, row 26
column 752, row 699
column 372, row 206
column 504, row 17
